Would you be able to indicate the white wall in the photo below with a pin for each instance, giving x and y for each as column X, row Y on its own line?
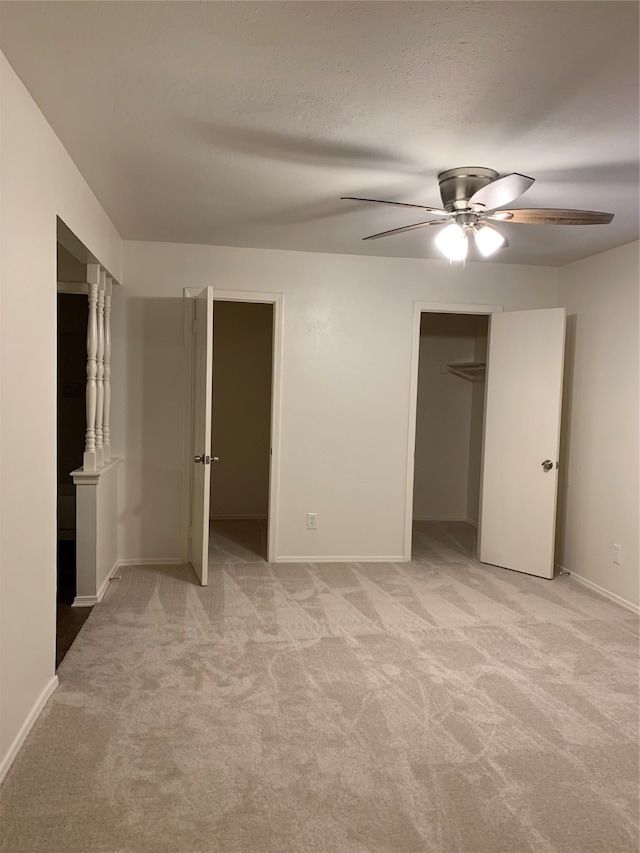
column 598, row 502
column 38, row 182
column 443, row 417
column 345, row 385
column 241, row 417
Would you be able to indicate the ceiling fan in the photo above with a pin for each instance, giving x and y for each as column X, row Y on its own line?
column 472, row 199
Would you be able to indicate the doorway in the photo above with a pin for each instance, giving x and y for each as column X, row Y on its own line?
column 240, row 506
column 449, row 423
column 447, row 338
column 520, row 437
column 241, row 431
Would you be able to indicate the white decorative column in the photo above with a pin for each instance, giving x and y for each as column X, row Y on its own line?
column 97, row 481
column 100, row 371
column 106, row 417
column 93, row 280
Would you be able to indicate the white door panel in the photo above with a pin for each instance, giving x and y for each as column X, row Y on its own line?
column 522, row 430
column 201, row 420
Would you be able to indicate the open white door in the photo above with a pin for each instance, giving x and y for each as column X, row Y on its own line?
column 201, row 445
column 521, row 440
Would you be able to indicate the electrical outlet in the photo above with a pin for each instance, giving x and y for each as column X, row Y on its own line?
column 617, row 554
column 312, row 520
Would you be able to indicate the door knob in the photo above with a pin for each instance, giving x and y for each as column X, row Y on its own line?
column 215, row 459
column 547, row 464
column 206, row 460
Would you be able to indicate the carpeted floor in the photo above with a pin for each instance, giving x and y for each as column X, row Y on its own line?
column 69, row 621
column 238, row 540
column 439, row 706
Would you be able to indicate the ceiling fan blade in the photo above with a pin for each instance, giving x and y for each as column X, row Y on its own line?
column 552, row 216
column 435, row 210
column 405, row 228
column 502, row 191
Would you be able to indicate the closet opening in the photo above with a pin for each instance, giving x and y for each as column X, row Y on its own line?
column 451, row 370
column 241, row 440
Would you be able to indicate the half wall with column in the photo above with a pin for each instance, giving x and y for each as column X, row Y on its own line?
column 97, row 481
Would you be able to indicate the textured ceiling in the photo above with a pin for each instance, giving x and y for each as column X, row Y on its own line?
column 242, row 124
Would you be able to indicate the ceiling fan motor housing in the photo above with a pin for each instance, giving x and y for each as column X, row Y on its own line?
column 458, row 185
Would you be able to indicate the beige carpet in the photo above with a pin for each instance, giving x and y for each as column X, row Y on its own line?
column 438, row 706
column 233, row 540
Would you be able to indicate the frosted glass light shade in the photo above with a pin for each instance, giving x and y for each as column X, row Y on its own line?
column 452, row 242
column 488, row 240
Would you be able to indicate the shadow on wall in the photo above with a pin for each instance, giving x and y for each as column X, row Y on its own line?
column 565, row 432
column 153, row 475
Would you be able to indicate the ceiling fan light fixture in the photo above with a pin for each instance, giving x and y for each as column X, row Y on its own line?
column 471, row 195
column 452, row 242
column 488, row 240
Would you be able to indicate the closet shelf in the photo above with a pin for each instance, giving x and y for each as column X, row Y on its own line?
column 473, row 370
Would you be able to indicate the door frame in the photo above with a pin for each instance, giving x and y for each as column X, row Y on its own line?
column 420, row 308
column 277, row 300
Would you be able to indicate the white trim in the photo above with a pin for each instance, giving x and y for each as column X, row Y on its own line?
column 471, row 521
column 90, row 600
column 418, row 309
column 92, row 478
column 26, row 727
column 189, row 293
column 105, row 583
column 85, row 600
column 600, row 590
column 149, row 561
column 397, row 558
column 276, row 417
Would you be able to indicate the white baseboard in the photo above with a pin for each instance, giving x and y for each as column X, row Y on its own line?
column 600, row 590
column 26, row 727
column 85, row 600
column 398, row 558
column 150, row 561
column 90, row 600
